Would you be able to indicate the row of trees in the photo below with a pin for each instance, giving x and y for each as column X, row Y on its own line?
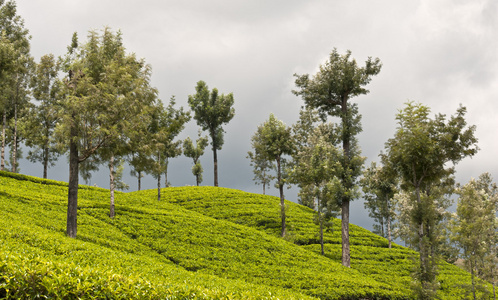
column 410, row 187
column 96, row 104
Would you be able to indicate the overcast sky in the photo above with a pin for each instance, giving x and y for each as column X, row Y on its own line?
column 437, row 52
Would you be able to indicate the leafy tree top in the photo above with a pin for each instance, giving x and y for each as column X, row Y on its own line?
column 211, row 111
column 423, row 146
column 338, row 80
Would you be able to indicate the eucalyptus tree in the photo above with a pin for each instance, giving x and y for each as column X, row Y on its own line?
column 262, row 167
column 19, row 94
column 43, row 117
column 379, row 187
column 127, row 85
column 420, row 154
column 14, row 58
column 211, row 111
column 195, row 152
column 138, row 163
column 103, row 93
column 7, row 54
column 475, row 227
column 273, row 140
column 329, row 91
column 316, row 170
column 166, row 124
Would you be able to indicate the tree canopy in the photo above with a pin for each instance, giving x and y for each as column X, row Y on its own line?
column 211, row 111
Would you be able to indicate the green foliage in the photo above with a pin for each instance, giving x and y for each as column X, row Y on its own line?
column 41, row 121
column 262, row 167
column 211, row 111
column 379, row 188
column 329, row 91
column 475, row 227
column 166, row 123
column 195, row 152
column 419, row 155
column 317, row 170
column 271, row 142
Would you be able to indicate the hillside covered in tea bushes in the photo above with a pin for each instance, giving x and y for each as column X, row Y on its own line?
column 197, row 243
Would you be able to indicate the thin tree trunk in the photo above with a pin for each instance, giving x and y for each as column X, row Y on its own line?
column 46, row 153
column 215, row 161
column 389, row 237
column 166, row 184
column 382, row 232
column 320, row 218
column 139, row 180
column 45, row 162
column 4, row 125
column 281, row 190
column 264, row 182
column 14, row 144
column 473, row 279
column 159, row 187
column 111, row 185
column 72, row 202
column 346, row 254
column 159, row 177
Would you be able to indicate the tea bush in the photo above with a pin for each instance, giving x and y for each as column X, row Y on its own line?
column 199, row 243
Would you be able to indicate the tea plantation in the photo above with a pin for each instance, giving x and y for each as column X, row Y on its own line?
column 197, row 243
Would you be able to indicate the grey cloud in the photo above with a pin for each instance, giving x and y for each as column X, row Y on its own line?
column 430, row 53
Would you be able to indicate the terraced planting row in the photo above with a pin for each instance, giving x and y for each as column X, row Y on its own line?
column 369, row 252
column 199, row 243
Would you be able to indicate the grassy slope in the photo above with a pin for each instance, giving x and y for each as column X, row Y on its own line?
column 369, row 252
column 205, row 243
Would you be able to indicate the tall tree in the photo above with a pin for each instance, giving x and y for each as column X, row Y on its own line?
column 14, row 51
column 195, row 152
column 7, row 58
column 475, row 227
column 379, row 188
column 139, row 163
column 43, row 117
column 166, row 124
column 329, row 91
column 102, row 91
column 20, row 97
column 262, row 167
column 316, row 170
column 211, row 111
column 419, row 154
column 273, row 139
